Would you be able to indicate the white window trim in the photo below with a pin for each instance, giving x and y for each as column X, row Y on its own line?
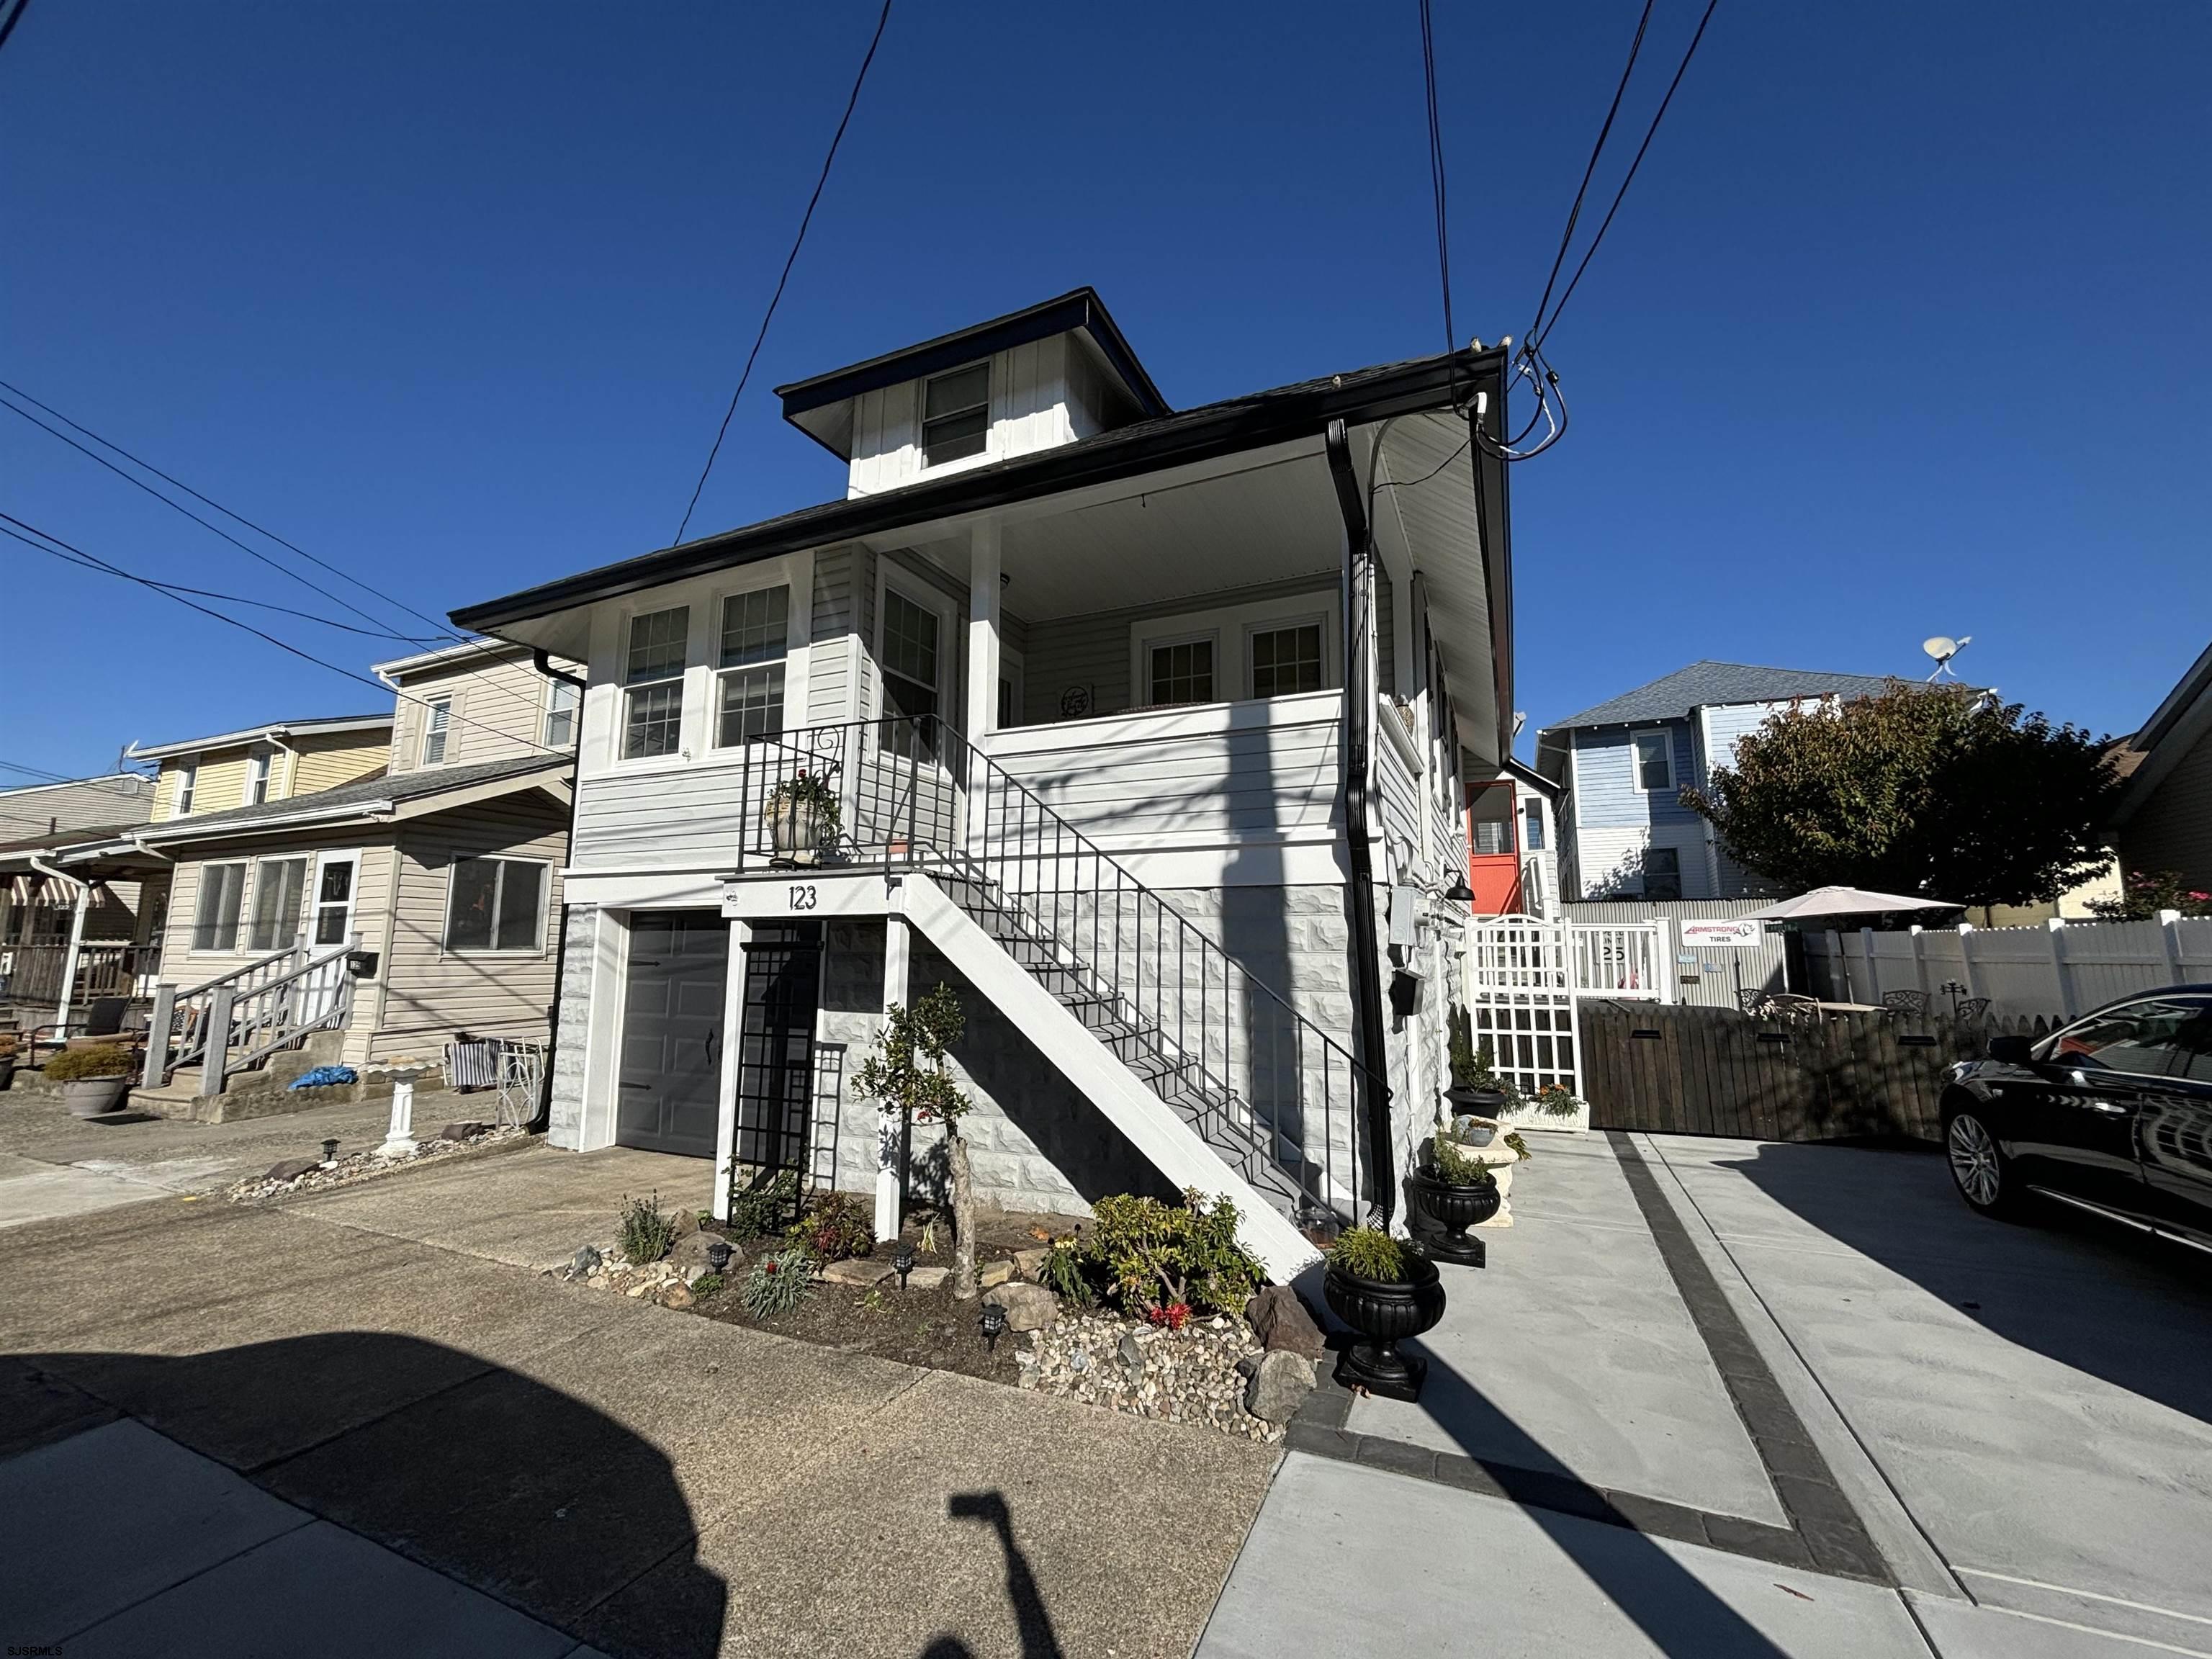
column 992, row 408
column 447, row 949
column 188, row 786
column 1141, row 692
column 1276, row 624
column 261, row 769
column 916, row 589
column 794, row 656
column 1233, row 626
column 451, row 703
column 1636, row 759
column 246, row 899
column 553, row 690
column 681, row 679
column 309, row 904
column 192, row 947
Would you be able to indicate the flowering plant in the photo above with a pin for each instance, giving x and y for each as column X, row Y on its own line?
column 2147, row 892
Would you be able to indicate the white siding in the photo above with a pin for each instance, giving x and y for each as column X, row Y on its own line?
column 1033, row 407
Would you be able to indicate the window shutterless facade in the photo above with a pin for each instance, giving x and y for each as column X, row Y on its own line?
column 910, row 665
column 955, row 415
column 756, row 641
column 653, row 684
column 437, row 729
column 214, row 921
column 1181, row 671
column 257, row 777
column 278, row 884
column 1655, row 762
column 188, row 783
column 496, row 904
column 561, row 704
column 1662, row 872
column 1285, row 660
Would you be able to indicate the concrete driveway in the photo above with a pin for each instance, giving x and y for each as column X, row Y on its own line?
column 1726, row 1397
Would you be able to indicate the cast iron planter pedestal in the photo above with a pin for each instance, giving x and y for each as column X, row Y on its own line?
column 1449, row 1210
column 1385, row 1314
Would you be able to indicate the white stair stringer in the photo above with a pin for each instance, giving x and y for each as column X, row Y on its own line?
column 1149, row 1123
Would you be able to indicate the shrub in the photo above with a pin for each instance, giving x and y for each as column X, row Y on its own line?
column 707, row 1285
column 834, row 1226
column 763, row 1207
column 83, row 1064
column 1452, row 1166
column 647, row 1231
column 1557, row 1100
column 1370, row 1253
column 778, row 1282
column 1154, row 1255
column 1064, row 1272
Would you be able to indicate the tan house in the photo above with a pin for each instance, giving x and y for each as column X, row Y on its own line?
column 394, row 879
column 2164, row 820
column 66, row 943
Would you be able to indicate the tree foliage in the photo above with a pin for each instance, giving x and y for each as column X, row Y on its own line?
column 1939, row 792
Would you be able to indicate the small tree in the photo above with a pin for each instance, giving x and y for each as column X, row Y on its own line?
column 907, row 1073
column 1939, row 792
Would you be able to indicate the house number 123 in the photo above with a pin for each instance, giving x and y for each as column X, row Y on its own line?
column 804, row 897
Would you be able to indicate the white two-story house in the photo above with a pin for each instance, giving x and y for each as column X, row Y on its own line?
column 1145, row 730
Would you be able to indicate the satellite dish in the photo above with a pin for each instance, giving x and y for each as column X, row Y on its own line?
column 1942, row 648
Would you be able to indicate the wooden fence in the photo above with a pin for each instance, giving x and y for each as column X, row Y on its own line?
column 1677, row 1069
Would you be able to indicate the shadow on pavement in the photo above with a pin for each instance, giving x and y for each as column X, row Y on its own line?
column 1031, row 1618
column 2112, row 1305
column 485, row 1476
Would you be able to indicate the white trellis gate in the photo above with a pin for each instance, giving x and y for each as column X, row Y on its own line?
column 1521, row 1000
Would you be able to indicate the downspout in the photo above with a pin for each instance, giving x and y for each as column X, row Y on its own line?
column 76, row 942
column 542, row 659
column 1366, row 952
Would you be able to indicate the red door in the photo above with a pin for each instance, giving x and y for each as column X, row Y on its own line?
column 1493, row 860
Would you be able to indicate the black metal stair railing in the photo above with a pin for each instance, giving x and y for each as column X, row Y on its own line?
column 1273, row 1093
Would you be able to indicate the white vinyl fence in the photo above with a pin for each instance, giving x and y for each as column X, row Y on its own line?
column 2054, row 972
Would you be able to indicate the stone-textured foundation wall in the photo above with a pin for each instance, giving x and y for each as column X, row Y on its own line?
column 572, row 1020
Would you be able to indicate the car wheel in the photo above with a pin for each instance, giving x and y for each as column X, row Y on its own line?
column 1979, row 1168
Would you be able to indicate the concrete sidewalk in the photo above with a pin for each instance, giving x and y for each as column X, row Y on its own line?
column 641, row 1481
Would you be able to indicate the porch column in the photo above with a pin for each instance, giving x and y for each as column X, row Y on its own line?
column 897, row 951
column 68, row 960
column 983, row 586
column 733, row 1038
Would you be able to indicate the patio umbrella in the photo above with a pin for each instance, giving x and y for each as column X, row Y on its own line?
column 1827, row 902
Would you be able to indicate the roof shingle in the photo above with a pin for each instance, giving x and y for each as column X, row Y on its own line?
column 1709, row 685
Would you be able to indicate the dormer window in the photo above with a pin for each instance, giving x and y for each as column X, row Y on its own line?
column 955, row 415
column 257, row 780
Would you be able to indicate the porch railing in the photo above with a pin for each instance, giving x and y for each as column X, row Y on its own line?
column 1270, row 1090
column 236, row 1020
column 33, row 973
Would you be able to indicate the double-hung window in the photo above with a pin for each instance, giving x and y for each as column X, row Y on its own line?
column 188, row 785
column 1662, row 872
column 437, row 727
column 215, row 924
column 1285, row 660
column 278, row 884
column 653, row 684
column 910, row 682
column 955, row 415
column 1655, row 762
column 257, row 777
column 756, row 637
column 561, row 716
column 496, row 904
column 1180, row 670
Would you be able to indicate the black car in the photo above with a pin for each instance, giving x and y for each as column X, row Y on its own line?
column 2112, row 1113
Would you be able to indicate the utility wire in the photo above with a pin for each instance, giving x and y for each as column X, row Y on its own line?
column 1437, row 174
column 792, row 258
column 77, row 555
column 444, row 631
column 1650, row 133
column 1574, row 212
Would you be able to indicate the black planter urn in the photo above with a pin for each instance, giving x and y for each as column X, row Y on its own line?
column 1383, row 1316
column 1480, row 1102
column 1443, row 1212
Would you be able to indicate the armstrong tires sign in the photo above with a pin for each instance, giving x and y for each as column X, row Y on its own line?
column 1732, row 935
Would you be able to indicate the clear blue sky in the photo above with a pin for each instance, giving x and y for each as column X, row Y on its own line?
column 1902, row 330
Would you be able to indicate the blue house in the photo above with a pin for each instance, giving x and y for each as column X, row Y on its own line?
column 1620, row 769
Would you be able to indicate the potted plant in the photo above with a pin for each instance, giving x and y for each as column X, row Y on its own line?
column 1452, row 1191
column 1476, row 1086
column 803, row 817
column 1386, row 1292
column 93, row 1079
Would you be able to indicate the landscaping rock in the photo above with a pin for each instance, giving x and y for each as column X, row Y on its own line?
column 586, row 1261
column 1028, row 1264
column 1101, row 1357
column 677, row 1296
column 1281, row 1323
column 707, row 1251
column 462, row 1131
column 1028, row 1307
column 860, row 1270
column 1132, row 1356
column 995, row 1273
column 928, row 1279
column 292, row 1169
column 1278, row 1387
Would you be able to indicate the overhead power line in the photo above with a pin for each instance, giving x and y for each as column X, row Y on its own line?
column 1605, row 128
column 70, row 554
column 1437, row 173
column 790, row 260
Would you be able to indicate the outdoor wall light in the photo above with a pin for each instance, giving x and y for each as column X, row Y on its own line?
column 329, row 1151
column 993, row 1322
column 903, row 1263
column 1459, row 892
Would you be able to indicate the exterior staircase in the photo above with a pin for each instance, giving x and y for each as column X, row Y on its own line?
column 230, row 1047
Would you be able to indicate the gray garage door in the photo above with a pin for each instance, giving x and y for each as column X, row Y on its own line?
column 671, row 1046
